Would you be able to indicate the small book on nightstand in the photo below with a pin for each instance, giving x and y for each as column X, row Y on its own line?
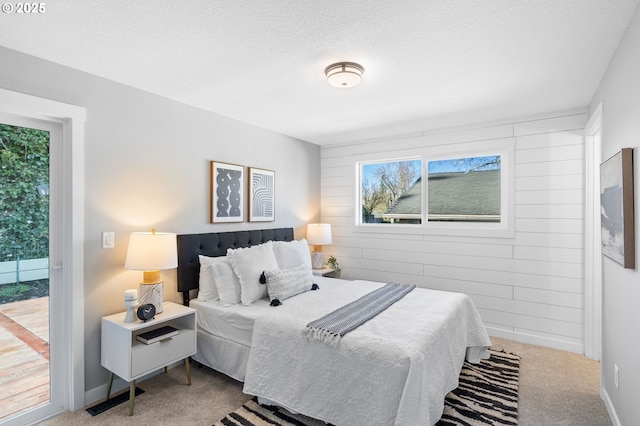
column 158, row 334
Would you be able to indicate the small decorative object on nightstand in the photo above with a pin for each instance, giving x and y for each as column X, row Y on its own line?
column 162, row 342
column 146, row 312
column 333, row 263
column 130, row 302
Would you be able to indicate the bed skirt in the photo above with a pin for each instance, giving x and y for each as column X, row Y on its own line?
column 222, row 355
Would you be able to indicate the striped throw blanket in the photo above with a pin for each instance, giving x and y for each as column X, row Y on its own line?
column 331, row 327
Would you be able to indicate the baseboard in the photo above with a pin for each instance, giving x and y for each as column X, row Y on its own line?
column 610, row 408
column 536, row 340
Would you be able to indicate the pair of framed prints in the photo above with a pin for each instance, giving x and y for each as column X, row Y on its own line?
column 227, row 193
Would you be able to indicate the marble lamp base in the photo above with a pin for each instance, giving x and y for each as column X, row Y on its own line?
column 317, row 260
column 152, row 293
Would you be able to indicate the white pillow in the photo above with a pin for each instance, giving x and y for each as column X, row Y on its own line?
column 249, row 264
column 227, row 282
column 285, row 283
column 207, row 290
column 292, row 253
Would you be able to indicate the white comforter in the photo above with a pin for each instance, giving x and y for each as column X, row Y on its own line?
column 393, row 370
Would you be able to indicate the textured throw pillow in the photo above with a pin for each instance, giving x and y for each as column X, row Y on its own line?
column 207, row 290
column 249, row 264
column 227, row 282
column 292, row 253
column 284, row 283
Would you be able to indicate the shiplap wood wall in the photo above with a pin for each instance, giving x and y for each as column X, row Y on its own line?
column 528, row 288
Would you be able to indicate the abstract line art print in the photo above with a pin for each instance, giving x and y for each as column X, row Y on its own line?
column 261, row 195
column 226, row 192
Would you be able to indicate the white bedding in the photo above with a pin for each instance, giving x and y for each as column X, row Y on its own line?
column 394, row 369
column 224, row 335
column 234, row 323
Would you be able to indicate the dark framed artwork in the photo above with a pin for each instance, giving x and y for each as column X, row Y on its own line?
column 616, row 207
column 262, row 187
column 226, row 192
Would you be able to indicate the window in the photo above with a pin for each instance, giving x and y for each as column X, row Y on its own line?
column 390, row 192
column 469, row 192
column 464, row 189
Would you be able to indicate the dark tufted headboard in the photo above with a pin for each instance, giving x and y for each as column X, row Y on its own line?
column 216, row 244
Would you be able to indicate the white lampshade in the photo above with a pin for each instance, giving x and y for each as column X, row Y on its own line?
column 150, row 251
column 319, row 234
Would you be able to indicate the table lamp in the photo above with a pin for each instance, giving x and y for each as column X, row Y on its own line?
column 318, row 234
column 150, row 252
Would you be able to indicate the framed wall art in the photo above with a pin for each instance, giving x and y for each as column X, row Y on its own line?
column 261, row 195
column 616, row 207
column 226, row 192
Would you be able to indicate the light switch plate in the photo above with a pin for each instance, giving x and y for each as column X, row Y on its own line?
column 108, row 240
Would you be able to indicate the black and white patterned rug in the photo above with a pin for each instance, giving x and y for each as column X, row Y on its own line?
column 487, row 395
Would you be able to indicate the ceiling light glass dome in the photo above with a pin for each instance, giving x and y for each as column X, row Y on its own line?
column 344, row 74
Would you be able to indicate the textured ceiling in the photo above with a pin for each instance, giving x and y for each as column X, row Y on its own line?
column 428, row 63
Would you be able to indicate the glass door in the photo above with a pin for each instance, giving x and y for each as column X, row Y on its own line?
column 30, row 365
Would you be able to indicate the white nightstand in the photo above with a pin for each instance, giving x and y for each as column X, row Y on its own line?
column 123, row 355
column 326, row 272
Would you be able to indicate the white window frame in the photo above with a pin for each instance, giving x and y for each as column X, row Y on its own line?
column 505, row 148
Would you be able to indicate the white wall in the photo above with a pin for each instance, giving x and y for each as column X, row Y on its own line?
column 619, row 93
column 528, row 288
column 147, row 165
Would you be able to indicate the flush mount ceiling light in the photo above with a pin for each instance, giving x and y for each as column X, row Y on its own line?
column 344, row 74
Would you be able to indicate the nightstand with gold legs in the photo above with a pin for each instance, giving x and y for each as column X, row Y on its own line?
column 127, row 355
column 132, row 385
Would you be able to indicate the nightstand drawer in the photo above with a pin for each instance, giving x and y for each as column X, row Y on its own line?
column 147, row 358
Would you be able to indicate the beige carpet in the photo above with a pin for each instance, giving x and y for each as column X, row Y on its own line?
column 556, row 388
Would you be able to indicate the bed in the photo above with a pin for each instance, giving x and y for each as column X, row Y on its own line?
column 394, row 369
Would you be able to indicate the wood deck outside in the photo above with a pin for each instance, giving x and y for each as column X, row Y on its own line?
column 24, row 355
